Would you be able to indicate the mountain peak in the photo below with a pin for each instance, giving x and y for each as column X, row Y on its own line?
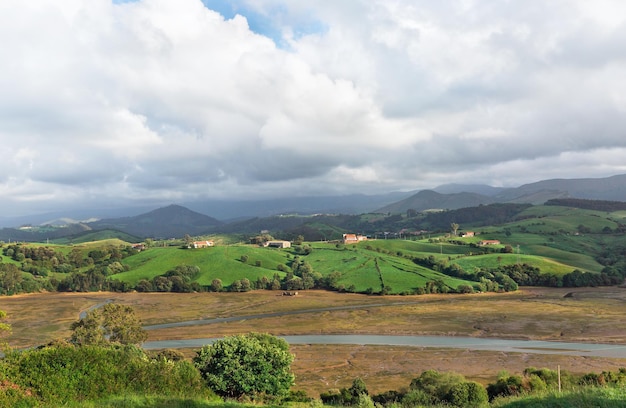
column 171, row 221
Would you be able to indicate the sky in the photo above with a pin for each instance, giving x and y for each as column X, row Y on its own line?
column 115, row 103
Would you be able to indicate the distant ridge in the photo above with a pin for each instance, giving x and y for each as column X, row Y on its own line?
column 176, row 220
column 429, row 200
column 166, row 222
column 481, row 189
column 609, row 188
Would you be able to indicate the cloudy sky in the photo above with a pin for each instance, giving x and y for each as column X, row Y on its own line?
column 106, row 103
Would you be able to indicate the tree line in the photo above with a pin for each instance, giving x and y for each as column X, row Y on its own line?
column 509, row 277
column 585, row 204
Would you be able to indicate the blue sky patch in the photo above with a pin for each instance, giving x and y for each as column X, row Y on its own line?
column 268, row 24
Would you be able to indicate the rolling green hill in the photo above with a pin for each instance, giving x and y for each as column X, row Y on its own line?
column 93, row 236
column 538, row 245
column 360, row 269
column 221, row 262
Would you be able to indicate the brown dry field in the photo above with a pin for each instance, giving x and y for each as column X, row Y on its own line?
column 585, row 315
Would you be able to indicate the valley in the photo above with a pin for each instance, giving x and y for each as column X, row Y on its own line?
column 580, row 315
column 516, row 272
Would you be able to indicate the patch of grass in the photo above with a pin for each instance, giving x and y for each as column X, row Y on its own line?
column 152, row 401
column 405, row 276
column 580, row 398
column 416, row 247
column 368, row 268
column 491, row 261
column 223, row 262
column 97, row 236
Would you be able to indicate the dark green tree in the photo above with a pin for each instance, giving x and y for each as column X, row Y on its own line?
column 253, row 365
column 216, row 285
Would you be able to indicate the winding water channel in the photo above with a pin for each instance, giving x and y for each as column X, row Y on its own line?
column 469, row 343
column 457, row 342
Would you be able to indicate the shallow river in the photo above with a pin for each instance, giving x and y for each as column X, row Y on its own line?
column 469, row 343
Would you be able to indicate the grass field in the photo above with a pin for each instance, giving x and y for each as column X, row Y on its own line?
column 360, row 269
column 223, row 262
column 488, row 261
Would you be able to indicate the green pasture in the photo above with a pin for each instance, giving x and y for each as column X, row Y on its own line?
column 357, row 264
column 416, row 248
column 363, row 268
column 550, row 219
column 356, row 267
column 405, row 276
column 364, row 277
column 619, row 215
column 569, row 249
column 96, row 236
column 8, row 260
column 326, row 261
column 491, row 261
column 576, row 260
column 220, row 262
column 329, row 231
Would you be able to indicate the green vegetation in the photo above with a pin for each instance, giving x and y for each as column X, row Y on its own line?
column 538, row 245
column 254, row 365
column 60, row 373
column 112, row 323
column 93, row 236
column 581, row 398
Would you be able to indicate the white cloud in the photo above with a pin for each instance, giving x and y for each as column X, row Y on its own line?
column 164, row 99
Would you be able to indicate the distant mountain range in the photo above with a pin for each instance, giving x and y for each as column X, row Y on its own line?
column 455, row 196
column 177, row 220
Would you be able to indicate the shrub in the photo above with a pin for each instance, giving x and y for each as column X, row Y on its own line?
column 467, row 394
column 436, row 384
column 253, row 365
column 62, row 373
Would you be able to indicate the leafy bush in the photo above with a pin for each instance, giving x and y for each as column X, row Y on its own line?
column 467, row 394
column 253, row 365
column 62, row 373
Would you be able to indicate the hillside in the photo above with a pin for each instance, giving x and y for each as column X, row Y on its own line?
column 527, row 245
column 41, row 233
column 609, row 188
column 166, row 222
column 429, row 200
column 454, row 196
column 294, row 216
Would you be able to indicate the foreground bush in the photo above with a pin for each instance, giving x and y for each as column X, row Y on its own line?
column 62, row 373
column 254, row 365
